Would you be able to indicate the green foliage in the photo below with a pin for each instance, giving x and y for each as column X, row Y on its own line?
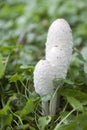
column 15, row 78
column 79, row 123
column 75, row 103
column 28, row 108
column 5, row 116
column 2, row 65
column 43, row 122
column 23, row 32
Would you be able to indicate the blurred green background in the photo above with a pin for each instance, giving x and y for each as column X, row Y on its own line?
column 23, row 31
column 26, row 23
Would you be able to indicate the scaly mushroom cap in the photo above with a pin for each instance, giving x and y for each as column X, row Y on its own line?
column 59, row 34
column 60, row 60
column 43, row 78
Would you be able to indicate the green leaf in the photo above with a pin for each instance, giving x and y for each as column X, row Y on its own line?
column 72, row 126
column 15, row 78
column 5, row 120
column 28, row 108
column 5, row 117
column 67, row 120
column 80, row 96
column 9, row 119
column 78, row 123
column 68, row 81
column 43, row 122
column 22, row 127
column 75, row 103
column 4, row 110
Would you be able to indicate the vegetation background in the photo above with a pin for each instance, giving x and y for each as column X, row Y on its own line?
column 23, row 32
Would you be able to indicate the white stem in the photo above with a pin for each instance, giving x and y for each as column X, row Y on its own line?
column 53, row 105
column 54, row 102
column 45, row 107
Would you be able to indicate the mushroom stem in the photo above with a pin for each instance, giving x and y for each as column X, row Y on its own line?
column 53, row 104
column 45, row 107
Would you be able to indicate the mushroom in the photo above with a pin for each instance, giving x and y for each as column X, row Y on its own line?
column 58, row 55
column 59, row 35
column 43, row 81
column 43, row 78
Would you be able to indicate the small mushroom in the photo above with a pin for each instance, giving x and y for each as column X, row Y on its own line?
column 43, row 81
column 43, row 76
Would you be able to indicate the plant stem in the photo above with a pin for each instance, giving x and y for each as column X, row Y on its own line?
column 45, row 107
column 53, row 105
column 58, row 125
column 54, row 102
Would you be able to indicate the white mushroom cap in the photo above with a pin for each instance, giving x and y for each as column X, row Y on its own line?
column 59, row 34
column 57, row 55
column 43, row 78
column 60, row 60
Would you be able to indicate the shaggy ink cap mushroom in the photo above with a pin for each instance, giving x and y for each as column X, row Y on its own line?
column 43, row 77
column 58, row 55
column 59, row 34
column 59, row 47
